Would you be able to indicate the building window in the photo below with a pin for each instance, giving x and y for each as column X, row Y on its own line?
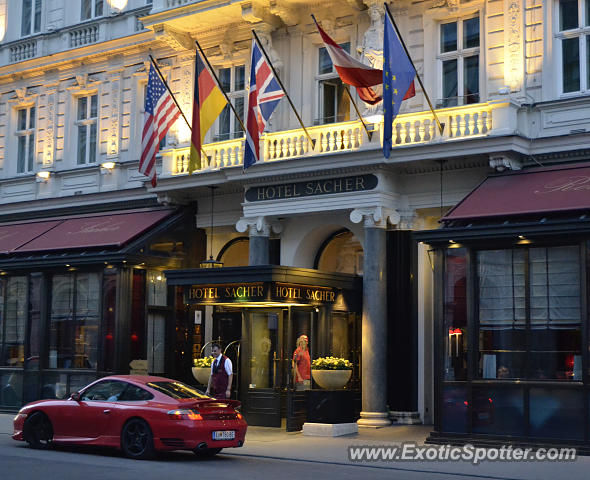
column 573, row 36
column 530, row 313
column 232, row 80
column 91, row 9
column 25, row 133
column 13, row 318
column 74, row 321
column 459, row 62
column 31, row 17
column 87, row 120
column 333, row 104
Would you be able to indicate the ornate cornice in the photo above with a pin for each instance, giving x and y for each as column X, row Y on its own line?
column 258, row 226
column 376, row 217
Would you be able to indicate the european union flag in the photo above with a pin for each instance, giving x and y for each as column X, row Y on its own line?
column 398, row 78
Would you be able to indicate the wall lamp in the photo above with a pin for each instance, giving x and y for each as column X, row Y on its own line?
column 43, row 176
column 107, row 167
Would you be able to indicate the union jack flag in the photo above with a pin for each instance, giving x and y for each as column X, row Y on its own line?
column 265, row 94
column 160, row 113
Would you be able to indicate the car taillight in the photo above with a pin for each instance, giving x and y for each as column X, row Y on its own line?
column 240, row 416
column 185, row 415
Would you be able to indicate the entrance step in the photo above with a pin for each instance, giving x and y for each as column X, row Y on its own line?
column 329, row 429
column 405, row 418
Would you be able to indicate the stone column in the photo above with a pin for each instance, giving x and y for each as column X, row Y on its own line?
column 374, row 320
column 259, row 229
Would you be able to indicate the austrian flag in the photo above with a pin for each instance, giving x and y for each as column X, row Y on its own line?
column 367, row 80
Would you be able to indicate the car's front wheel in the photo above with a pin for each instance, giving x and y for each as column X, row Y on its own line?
column 137, row 440
column 206, row 452
column 37, row 431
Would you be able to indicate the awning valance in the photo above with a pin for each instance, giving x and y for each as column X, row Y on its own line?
column 535, row 191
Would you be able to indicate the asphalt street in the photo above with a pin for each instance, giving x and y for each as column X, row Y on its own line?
column 268, row 453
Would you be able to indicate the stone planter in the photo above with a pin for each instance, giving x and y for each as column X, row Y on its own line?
column 331, row 379
column 202, row 374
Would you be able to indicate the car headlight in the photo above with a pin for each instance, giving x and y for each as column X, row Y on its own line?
column 185, row 415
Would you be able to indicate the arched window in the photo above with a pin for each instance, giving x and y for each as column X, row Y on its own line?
column 342, row 253
column 235, row 252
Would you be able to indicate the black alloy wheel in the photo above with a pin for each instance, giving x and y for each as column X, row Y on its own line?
column 37, row 431
column 206, row 452
column 137, row 440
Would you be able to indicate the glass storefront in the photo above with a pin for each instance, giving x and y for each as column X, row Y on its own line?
column 523, row 324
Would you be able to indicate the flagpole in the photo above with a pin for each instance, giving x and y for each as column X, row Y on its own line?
column 231, row 105
column 440, row 126
column 347, row 90
column 283, row 87
column 174, row 98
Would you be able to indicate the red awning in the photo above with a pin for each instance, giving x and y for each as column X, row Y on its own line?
column 539, row 190
column 13, row 236
column 99, row 230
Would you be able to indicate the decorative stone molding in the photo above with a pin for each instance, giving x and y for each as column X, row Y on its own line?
column 407, row 219
column 357, row 4
column 513, row 45
column 254, row 12
column 288, row 15
column 450, row 4
column 50, row 119
column 175, row 39
column 505, row 161
column 113, row 132
column 376, row 217
column 258, row 226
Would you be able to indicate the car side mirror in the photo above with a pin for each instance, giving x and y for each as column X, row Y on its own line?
column 75, row 396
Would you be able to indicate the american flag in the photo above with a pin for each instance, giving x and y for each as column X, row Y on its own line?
column 160, row 113
column 265, row 94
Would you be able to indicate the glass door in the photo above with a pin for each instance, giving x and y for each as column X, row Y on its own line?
column 262, row 364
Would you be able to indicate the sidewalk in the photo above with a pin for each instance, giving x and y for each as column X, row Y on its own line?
column 275, row 443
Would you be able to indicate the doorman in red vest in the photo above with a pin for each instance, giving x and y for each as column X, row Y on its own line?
column 221, row 374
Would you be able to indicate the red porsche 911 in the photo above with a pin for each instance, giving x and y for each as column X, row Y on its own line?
column 137, row 414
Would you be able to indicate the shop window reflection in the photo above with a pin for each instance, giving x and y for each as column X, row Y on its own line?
column 264, row 341
column 455, row 315
column 13, row 316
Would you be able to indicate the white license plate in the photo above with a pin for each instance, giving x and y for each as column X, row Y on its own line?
column 224, row 435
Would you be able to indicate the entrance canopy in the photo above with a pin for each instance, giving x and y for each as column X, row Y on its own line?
column 534, row 191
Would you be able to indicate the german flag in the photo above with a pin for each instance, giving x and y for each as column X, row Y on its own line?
column 208, row 104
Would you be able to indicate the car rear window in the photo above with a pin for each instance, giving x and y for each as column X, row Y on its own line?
column 177, row 390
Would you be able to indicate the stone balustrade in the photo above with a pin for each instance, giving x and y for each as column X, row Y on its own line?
column 83, row 35
column 408, row 129
column 23, row 51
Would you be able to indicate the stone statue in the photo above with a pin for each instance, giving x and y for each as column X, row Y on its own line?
column 371, row 51
column 266, row 41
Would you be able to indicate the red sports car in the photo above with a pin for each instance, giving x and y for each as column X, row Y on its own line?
column 137, row 414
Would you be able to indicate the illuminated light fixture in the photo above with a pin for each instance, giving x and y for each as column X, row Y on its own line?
column 522, row 237
column 43, row 176
column 452, row 241
column 211, row 263
column 67, row 264
column 107, row 167
column 159, row 277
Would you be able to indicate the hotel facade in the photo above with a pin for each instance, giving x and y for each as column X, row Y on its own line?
column 324, row 237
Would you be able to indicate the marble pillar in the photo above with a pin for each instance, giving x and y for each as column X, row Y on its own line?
column 259, row 230
column 374, row 319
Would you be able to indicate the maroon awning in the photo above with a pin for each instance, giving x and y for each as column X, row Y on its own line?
column 539, row 190
column 111, row 230
column 13, row 236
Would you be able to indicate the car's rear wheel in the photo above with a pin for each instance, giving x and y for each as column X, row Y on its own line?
column 137, row 440
column 206, row 452
column 37, row 431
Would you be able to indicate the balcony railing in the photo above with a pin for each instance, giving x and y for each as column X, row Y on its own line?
column 23, row 51
column 83, row 36
column 409, row 129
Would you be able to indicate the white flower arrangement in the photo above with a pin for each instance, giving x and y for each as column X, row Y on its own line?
column 331, row 363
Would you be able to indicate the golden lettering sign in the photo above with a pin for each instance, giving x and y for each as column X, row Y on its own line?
column 566, row 184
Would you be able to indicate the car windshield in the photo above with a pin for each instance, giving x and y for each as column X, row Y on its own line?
column 176, row 390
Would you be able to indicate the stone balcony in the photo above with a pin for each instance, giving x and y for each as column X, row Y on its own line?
column 411, row 129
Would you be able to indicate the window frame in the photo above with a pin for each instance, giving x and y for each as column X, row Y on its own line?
column 87, row 122
column 33, row 27
column 582, row 33
column 235, row 130
column 28, row 133
column 330, row 78
column 460, row 54
column 93, row 12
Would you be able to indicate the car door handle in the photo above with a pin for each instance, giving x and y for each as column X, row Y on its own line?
column 106, row 412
